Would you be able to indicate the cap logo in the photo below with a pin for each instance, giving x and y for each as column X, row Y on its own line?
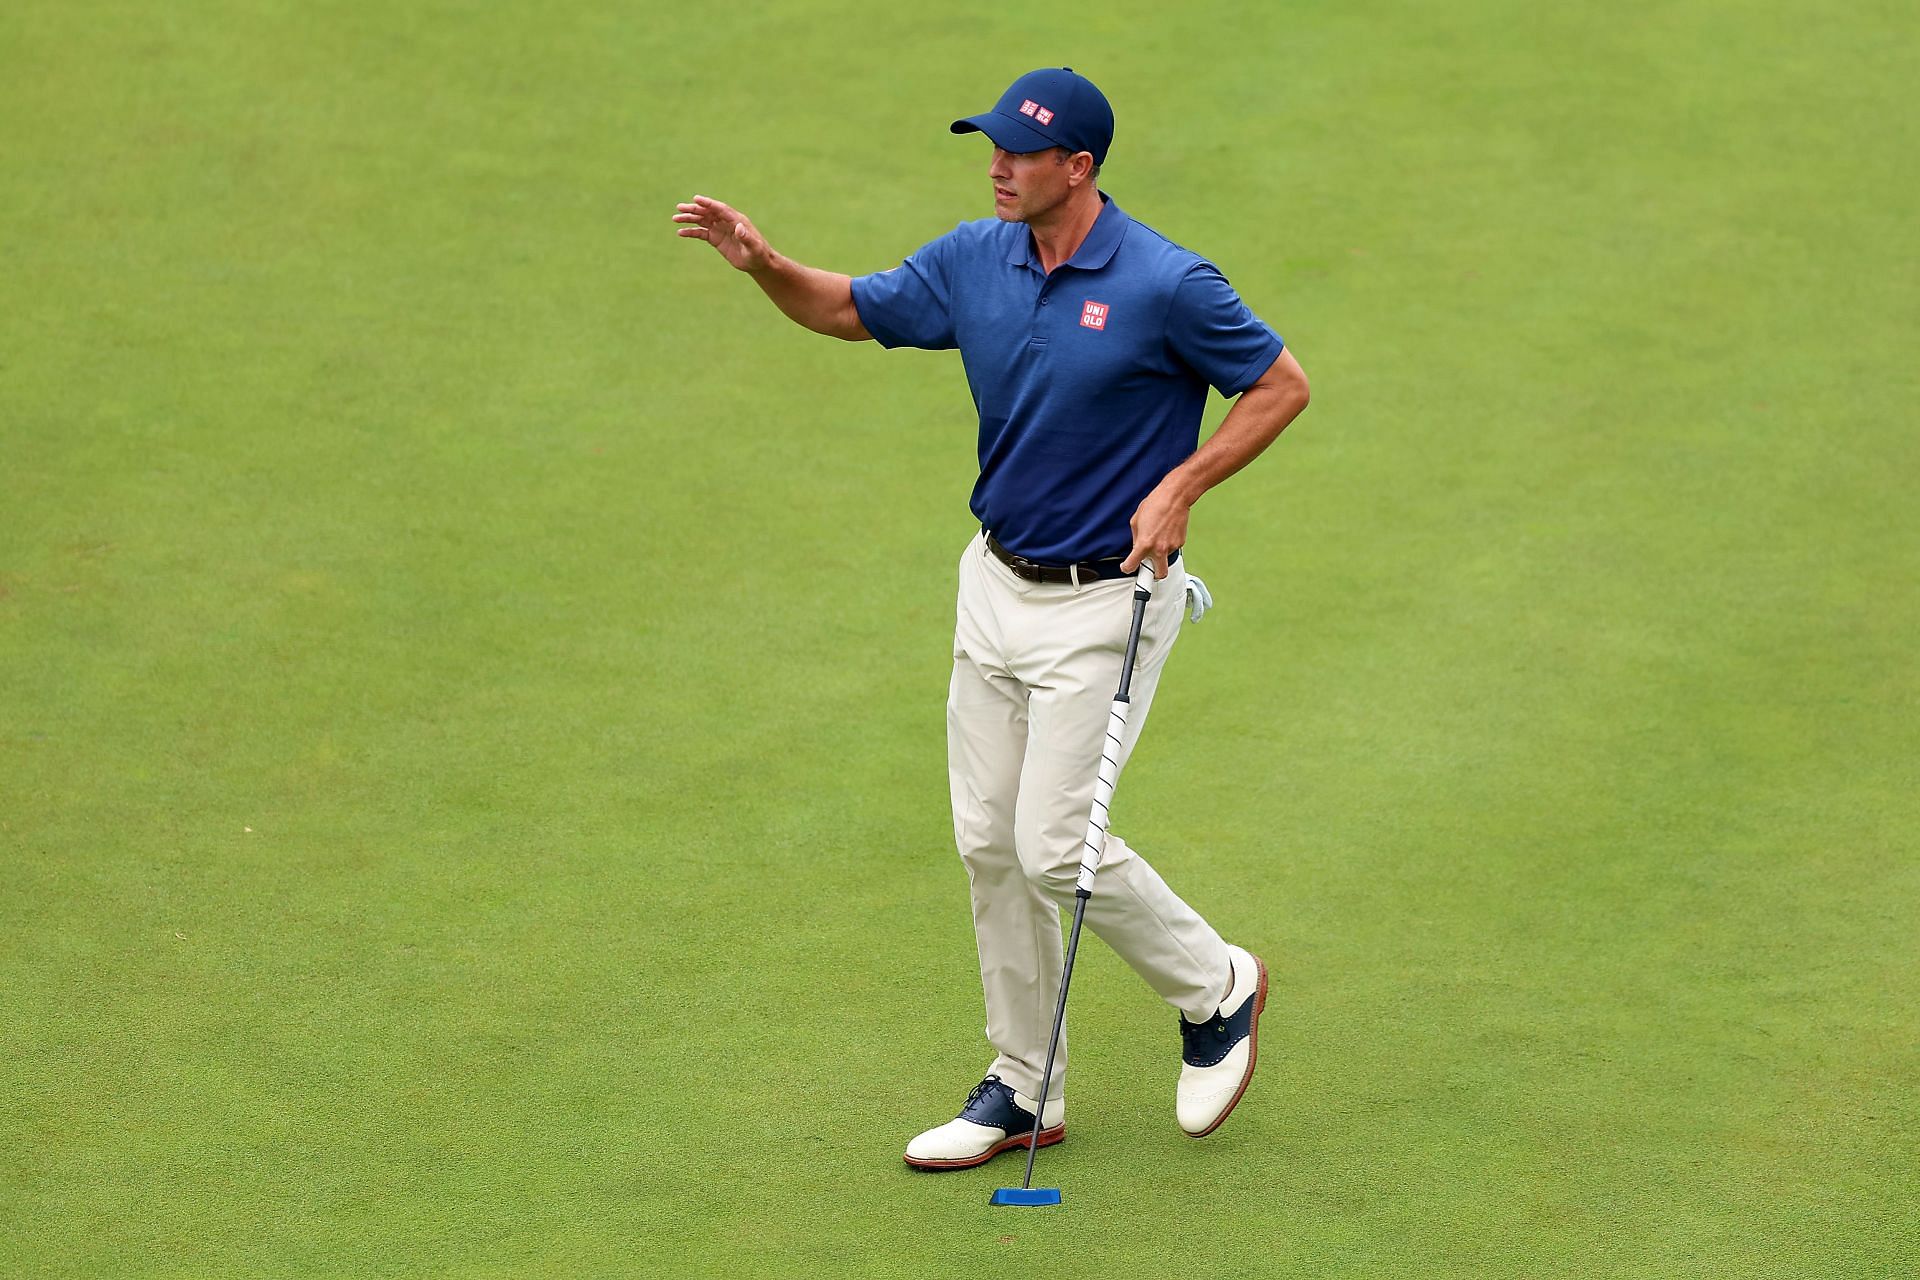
column 1028, row 107
column 1093, row 315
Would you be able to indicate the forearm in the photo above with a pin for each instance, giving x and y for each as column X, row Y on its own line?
column 818, row 300
column 1255, row 421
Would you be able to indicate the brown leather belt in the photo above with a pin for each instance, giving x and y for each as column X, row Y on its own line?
column 1032, row 571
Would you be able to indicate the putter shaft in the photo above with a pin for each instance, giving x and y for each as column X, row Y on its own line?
column 1095, row 845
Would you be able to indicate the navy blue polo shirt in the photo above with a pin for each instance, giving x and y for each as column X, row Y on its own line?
column 1089, row 382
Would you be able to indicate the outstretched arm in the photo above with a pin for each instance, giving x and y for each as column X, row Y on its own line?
column 819, row 300
column 1256, row 420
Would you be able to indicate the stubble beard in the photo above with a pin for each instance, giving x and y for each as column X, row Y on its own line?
column 1023, row 211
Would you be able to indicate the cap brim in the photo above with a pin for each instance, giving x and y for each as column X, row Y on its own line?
column 1009, row 133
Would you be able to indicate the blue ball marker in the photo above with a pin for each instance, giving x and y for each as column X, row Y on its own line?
column 1025, row 1195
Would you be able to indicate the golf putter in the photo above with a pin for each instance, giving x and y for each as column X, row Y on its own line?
column 1090, row 853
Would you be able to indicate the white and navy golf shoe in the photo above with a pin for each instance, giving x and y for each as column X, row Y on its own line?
column 1217, row 1055
column 995, row 1119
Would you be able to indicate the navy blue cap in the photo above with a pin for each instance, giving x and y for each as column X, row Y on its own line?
column 1051, row 107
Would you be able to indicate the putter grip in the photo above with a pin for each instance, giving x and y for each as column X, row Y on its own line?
column 1096, row 842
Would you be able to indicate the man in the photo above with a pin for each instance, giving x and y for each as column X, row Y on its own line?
column 1089, row 342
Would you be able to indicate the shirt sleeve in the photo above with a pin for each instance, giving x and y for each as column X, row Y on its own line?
column 911, row 305
column 1214, row 333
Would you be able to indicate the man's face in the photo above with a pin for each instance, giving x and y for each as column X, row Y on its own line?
column 1029, row 184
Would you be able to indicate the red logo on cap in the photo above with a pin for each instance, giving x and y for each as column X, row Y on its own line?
column 1094, row 315
column 1044, row 116
column 1028, row 107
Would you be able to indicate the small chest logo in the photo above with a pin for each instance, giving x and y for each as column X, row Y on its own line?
column 1094, row 315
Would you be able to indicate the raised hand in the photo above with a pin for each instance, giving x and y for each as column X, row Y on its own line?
column 727, row 230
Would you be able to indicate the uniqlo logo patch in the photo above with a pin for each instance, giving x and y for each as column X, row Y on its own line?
column 1028, row 107
column 1043, row 115
column 1094, row 315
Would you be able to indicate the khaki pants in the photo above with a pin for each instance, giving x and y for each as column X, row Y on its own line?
column 1035, row 667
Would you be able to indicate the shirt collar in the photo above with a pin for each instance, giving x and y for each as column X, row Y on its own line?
column 1103, row 237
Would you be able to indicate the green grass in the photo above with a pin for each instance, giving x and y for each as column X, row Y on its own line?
column 472, row 797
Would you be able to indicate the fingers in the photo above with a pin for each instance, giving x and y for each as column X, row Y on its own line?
column 1159, row 527
column 1157, row 558
column 1145, row 550
column 702, row 220
column 716, row 208
column 708, row 212
column 715, row 221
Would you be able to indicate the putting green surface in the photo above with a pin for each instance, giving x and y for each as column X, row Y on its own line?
column 472, row 790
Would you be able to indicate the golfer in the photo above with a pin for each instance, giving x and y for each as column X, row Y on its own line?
column 1089, row 341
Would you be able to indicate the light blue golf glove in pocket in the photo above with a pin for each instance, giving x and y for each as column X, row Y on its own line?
column 1199, row 599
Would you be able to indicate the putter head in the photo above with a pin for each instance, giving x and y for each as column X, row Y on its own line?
column 1025, row 1195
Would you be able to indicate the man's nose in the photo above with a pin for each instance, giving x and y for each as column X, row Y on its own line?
column 999, row 168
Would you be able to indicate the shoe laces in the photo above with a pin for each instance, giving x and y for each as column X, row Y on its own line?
column 981, row 1090
column 1209, row 1029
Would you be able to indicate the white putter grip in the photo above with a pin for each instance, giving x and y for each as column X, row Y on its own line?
column 1095, row 845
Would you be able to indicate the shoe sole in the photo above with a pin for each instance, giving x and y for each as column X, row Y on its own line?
column 1018, row 1142
column 1253, row 1052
